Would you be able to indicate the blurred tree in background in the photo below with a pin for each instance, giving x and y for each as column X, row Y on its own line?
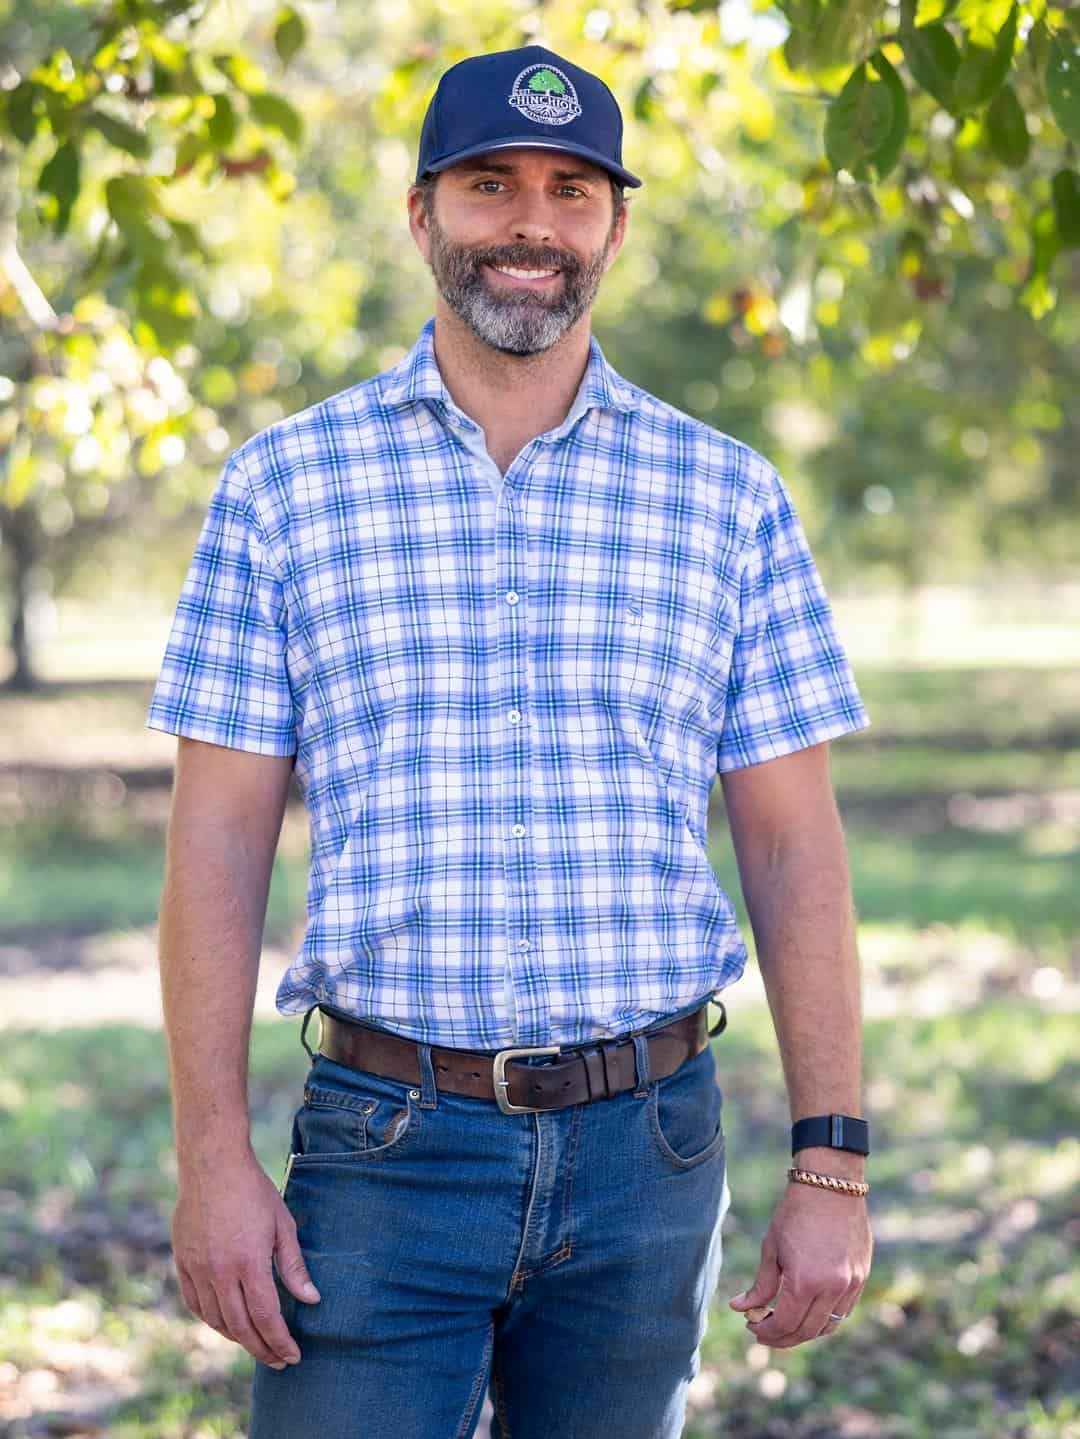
column 856, row 249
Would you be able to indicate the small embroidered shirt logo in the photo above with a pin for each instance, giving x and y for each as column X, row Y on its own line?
column 543, row 93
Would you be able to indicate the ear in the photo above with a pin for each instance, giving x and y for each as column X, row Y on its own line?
column 618, row 234
column 418, row 223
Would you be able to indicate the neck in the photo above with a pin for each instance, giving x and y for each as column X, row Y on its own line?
column 509, row 396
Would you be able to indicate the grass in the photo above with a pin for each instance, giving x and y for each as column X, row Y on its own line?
column 963, row 831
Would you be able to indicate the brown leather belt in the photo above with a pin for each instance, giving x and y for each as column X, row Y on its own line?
column 587, row 1072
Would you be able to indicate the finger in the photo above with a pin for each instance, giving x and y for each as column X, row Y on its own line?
column 791, row 1309
column 813, row 1323
column 844, row 1305
column 291, row 1266
column 261, row 1298
column 242, row 1330
column 187, row 1289
column 209, row 1311
column 766, row 1283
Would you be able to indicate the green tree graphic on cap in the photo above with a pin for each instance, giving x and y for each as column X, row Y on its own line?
column 545, row 80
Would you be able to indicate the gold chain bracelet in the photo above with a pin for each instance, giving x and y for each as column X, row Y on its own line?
column 829, row 1181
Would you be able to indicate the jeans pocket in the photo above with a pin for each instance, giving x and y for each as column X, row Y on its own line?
column 352, row 1116
column 686, row 1113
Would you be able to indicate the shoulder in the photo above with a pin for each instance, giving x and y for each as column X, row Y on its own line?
column 740, row 483
column 310, row 435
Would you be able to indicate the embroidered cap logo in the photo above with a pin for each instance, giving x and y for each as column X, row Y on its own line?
column 544, row 94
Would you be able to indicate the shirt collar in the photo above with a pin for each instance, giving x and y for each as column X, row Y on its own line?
column 417, row 377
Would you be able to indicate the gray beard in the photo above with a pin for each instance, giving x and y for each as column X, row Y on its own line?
column 518, row 322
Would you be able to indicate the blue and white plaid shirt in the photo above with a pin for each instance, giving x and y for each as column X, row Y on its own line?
column 508, row 697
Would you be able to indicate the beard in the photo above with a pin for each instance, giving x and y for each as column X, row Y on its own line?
column 518, row 322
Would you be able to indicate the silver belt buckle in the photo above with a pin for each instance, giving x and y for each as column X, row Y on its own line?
column 502, row 1084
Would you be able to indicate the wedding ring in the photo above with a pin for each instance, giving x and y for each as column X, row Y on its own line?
column 837, row 1316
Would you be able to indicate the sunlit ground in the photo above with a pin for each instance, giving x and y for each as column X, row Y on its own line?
column 962, row 811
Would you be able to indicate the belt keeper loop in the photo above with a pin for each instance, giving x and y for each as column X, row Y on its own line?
column 303, row 1031
column 641, row 1060
column 428, row 1098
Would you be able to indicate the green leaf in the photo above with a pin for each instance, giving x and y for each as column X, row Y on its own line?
column 644, row 98
column 163, row 301
column 169, row 54
column 933, row 58
column 132, row 202
column 21, row 119
column 982, row 19
column 1038, row 45
column 1006, row 127
column 1063, row 83
column 120, row 133
column 290, row 33
column 244, row 73
column 221, row 127
column 1065, row 188
column 858, row 124
column 275, row 111
column 983, row 69
column 888, row 152
column 191, row 148
column 60, row 178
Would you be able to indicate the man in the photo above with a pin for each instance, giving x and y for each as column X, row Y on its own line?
column 507, row 615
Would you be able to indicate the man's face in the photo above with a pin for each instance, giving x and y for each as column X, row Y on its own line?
column 528, row 210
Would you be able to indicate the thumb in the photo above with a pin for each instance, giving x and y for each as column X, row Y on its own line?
column 293, row 1270
column 764, row 1288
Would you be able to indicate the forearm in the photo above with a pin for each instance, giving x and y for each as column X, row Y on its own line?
column 210, row 935
column 799, row 899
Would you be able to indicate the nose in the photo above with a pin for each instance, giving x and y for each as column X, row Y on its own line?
column 531, row 219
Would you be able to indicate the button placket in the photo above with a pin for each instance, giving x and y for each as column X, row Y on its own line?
column 527, row 1012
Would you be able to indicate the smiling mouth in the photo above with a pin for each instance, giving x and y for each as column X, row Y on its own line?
column 524, row 278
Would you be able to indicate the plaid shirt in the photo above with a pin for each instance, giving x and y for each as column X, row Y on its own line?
column 508, row 697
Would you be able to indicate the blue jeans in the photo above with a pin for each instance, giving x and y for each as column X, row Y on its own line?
column 566, row 1259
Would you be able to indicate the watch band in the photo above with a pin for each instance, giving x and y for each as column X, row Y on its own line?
column 831, row 1131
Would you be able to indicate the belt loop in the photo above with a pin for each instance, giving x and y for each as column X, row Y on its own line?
column 641, row 1060
column 303, row 1031
column 428, row 1097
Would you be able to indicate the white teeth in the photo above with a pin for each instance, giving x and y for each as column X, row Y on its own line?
column 525, row 274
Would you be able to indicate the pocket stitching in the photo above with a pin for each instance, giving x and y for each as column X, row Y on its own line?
column 355, row 1156
column 715, row 1144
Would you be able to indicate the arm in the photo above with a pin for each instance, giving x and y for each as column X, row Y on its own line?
column 794, row 873
column 793, row 868
column 229, row 1220
column 225, row 822
column 227, row 810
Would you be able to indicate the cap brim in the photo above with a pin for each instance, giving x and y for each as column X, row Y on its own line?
column 584, row 151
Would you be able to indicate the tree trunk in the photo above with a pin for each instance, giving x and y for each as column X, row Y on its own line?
column 20, row 535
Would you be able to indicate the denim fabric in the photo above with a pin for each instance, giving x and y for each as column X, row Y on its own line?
column 565, row 1260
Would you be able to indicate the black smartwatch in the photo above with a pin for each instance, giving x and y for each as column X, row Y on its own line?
column 831, row 1131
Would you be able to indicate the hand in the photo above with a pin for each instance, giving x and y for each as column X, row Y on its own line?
column 816, row 1257
column 228, row 1225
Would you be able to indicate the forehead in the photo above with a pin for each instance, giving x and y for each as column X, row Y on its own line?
column 556, row 164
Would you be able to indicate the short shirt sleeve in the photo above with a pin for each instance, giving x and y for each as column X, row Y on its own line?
column 224, row 677
column 790, row 684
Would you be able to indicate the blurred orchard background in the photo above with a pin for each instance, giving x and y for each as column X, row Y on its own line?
column 857, row 248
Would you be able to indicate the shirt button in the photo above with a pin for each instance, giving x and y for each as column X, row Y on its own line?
column 514, row 716
column 512, row 597
column 524, row 944
column 518, row 830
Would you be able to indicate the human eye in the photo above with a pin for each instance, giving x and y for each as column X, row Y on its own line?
column 487, row 182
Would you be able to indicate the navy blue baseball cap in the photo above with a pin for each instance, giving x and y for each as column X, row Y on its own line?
column 529, row 97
